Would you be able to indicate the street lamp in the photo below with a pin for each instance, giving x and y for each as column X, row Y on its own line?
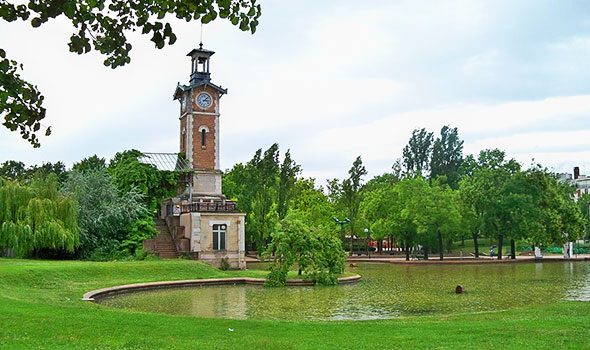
column 342, row 223
column 368, row 236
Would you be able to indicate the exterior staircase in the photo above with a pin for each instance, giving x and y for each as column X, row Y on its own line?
column 164, row 246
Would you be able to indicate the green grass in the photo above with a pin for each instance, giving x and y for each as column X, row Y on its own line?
column 40, row 307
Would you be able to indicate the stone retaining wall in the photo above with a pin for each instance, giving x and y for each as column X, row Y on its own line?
column 105, row 292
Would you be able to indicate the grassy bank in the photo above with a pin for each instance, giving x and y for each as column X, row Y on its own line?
column 40, row 307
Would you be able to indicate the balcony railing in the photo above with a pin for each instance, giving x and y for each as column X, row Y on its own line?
column 215, row 207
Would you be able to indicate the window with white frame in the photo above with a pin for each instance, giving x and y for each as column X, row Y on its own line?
column 219, row 231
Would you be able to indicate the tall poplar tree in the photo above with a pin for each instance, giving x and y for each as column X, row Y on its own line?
column 287, row 177
column 351, row 195
column 417, row 153
column 447, row 156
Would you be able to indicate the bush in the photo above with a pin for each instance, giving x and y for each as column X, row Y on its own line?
column 317, row 252
column 224, row 264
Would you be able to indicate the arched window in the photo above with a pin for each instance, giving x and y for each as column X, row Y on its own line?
column 203, row 130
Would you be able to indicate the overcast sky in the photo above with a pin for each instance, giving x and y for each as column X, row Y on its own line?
column 331, row 80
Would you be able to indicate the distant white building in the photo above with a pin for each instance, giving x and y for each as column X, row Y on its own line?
column 580, row 182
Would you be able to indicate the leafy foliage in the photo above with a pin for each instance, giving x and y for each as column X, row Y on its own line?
column 418, row 152
column 89, row 164
column 37, row 217
column 265, row 190
column 447, row 156
column 106, row 217
column 129, row 174
column 102, row 26
column 21, row 103
column 351, row 195
column 15, row 170
column 287, row 177
column 317, row 253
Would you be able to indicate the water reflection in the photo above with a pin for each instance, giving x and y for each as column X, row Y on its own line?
column 386, row 291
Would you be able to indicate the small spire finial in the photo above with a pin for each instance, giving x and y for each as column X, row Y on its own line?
column 201, row 41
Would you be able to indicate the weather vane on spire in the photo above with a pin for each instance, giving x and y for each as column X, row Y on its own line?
column 201, row 41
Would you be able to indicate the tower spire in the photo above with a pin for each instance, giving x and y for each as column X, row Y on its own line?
column 201, row 41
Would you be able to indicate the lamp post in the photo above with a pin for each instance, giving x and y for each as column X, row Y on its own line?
column 368, row 235
column 342, row 223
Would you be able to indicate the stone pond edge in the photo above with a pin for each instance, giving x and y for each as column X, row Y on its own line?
column 104, row 292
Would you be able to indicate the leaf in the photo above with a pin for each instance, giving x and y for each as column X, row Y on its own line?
column 36, row 22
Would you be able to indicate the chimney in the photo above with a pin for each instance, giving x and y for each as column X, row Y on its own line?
column 576, row 172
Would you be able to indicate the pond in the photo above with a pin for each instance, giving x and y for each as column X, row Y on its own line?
column 385, row 291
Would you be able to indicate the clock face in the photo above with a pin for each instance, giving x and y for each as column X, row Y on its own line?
column 204, row 100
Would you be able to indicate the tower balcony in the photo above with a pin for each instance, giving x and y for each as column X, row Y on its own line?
column 201, row 207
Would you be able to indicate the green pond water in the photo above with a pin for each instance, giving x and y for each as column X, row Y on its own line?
column 386, row 291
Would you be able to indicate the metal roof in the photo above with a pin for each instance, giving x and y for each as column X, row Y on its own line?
column 166, row 161
column 182, row 88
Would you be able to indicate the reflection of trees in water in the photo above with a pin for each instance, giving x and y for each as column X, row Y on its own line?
column 580, row 289
column 385, row 291
column 224, row 302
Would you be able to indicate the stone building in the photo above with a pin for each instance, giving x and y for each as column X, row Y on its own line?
column 201, row 222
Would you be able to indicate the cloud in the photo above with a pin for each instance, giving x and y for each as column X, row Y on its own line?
column 330, row 81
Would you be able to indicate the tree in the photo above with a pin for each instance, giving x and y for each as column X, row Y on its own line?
column 47, row 168
column 405, row 208
column 438, row 216
column 89, row 164
column 263, row 217
column 37, row 217
column 310, row 204
column 482, row 192
column 153, row 184
column 447, row 156
column 255, row 186
column 13, row 170
column 287, row 178
column 316, row 252
column 101, row 26
column 377, row 207
column 470, row 218
column 105, row 214
column 584, row 207
column 351, row 195
column 417, row 154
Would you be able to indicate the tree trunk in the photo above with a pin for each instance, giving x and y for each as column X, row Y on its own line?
column 440, row 246
column 500, row 241
column 425, row 252
column 350, row 251
column 462, row 241
column 512, row 250
column 407, row 250
column 476, row 246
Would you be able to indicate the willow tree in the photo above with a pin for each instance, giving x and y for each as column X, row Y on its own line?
column 36, row 217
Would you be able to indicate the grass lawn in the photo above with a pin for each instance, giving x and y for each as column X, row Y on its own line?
column 40, row 307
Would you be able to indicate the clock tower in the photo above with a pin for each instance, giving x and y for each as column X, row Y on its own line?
column 203, row 224
column 199, row 124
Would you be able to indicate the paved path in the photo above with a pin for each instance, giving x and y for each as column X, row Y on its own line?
column 401, row 259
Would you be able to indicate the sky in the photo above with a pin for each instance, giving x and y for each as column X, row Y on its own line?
column 331, row 80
